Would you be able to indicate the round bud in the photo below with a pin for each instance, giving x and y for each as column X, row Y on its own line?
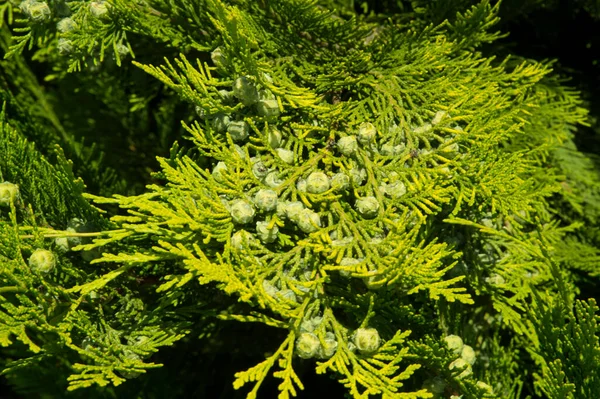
column 435, row 385
column 468, row 354
column 395, row 190
column 287, row 295
column 482, row 385
column 42, row 261
column 375, row 281
column 301, row 185
column 366, row 133
column 351, row 347
column 367, row 207
column 454, row 343
column 266, row 200
column 98, row 9
column 367, row 340
column 328, row 347
column 387, row 149
column 241, row 212
column 268, row 108
column 221, row 122
column 132, row 357
column 201, row 112
column 347, row 145
column 495, row 279
column 245, row 90
column 90, row 255
column 62, row 244
column 399, row 149
column 265, row 95
column 218, row 58
column 275, row 138
column 38, row 12
column 266, row 234
column 426, row 128
column 293, row 210
column 87, row 344
column 93, row 296
column 269, row 288
column 317, row 182
column 77, row 225
column 358, row 176
column 226, row 96
column 342, row 242
column 450, row 150
column 259, row 169
column 66, row 25
column 267, row 78
column 340, row 181
column 307, row 326
column 461, row 364
column 309, row 221
column 241, row 239
column 272, row 179
column 122, row 50
column 238, row 130
column 281, row 210
column 439, row 117
column 307, row 345
column 24, row 5
column 9, row 193
column 286, row 156
column 348, row 262
column 218, row 171
column 239, row 151
column 310, row 325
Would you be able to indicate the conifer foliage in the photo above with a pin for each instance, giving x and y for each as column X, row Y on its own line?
column 398, row 209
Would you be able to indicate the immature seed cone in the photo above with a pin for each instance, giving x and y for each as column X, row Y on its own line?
column 347, row 145
column 66, row 25
column 266, row 234
column 268, row 108
column 435, row 385
column 328, row 347
column 266, row 200
column 98, row 9
column 245, row 91
column 286, row 156
column 293, row 210
column 39, row 12
column 340, row 181
column 241, row 238
column 242, row 212
column 367, row 207
column 366, row 133
column 317, row 182
column 275, row 138
column 461, row 364
column 307, row 345
column 239, row 130
column 42, row 261
column 454, row 343
column 468, row 354
column 218, row 171
column 218, row 57
column 9, row 193
column 367, row 340
column 309, row 221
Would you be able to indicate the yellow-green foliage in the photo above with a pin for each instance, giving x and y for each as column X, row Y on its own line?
column 418, row 186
